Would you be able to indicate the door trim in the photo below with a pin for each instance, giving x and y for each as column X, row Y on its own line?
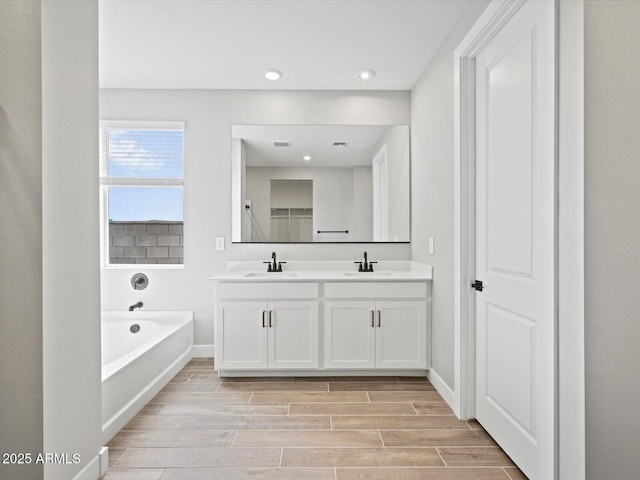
column 488, row 25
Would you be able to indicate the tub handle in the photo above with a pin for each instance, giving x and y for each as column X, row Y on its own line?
column 270, row 315
column 263, row 322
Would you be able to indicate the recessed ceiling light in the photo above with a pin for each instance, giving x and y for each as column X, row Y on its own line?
column 306, row 158
column 366, row 74
column 273, row 74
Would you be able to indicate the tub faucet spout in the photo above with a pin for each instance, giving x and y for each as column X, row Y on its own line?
column 134, row 306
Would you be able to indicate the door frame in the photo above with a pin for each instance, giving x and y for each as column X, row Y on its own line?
column 569, row 242
column 488, row 25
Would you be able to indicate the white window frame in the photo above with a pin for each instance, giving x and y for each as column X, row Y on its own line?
column 106, row 182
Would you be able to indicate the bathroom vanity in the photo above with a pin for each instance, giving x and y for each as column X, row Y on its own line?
column 323, row 318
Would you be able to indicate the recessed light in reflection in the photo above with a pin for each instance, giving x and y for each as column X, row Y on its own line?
column 366, row 74
column 273, row 75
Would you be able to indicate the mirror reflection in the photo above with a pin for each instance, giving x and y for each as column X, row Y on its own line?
column 320, row 183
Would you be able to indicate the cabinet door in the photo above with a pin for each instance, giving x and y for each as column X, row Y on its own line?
column 401, row 334
column 241, row 338
column 293, row 334
column 349, row 335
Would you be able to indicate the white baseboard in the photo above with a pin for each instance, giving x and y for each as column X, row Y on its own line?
column 320, row 373
column 203, row 351
column 443, row 389
column 91, row 471
column 104, row 460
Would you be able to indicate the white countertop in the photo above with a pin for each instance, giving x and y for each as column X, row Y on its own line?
column 344, row 271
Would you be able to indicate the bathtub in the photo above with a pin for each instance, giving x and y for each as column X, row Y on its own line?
column 135, row 366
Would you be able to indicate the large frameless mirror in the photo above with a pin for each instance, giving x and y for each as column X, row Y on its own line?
column 320, row 183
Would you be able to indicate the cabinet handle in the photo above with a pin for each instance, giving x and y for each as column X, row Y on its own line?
column 263, row 322
column 270, row 314
column 379, row 318
column 372, row 319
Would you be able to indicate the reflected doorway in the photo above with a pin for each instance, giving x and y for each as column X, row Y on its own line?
column 291, row 211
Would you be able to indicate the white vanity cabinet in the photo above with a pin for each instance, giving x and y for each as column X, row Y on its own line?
column 381, row 334
column 277, row 334
column 322, row 324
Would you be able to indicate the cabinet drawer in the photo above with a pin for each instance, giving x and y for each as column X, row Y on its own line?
column 266, row 290
column 375, row 290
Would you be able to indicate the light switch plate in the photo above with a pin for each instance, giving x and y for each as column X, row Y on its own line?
column 219, row 243
column 431, row 245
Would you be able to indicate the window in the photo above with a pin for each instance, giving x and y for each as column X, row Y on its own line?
column 141, row 182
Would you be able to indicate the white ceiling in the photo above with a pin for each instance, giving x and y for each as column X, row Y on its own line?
column 314, row 140
column 228, row 44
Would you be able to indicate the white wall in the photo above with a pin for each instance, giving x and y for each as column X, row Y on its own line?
column 209, row 116
column 292, row 193
column 71, row 277
column 49, row 290
column 20, row 237
column 432, row 186
column 612, row 237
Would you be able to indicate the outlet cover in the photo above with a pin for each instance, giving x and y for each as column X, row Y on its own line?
column 431, row 245
column 219, row 243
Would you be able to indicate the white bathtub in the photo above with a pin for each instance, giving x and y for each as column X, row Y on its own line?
column 135, row 366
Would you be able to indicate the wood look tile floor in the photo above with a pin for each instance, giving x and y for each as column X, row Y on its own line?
column 203, row 427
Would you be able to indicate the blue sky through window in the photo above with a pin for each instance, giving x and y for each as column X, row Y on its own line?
column 145, row 154
column 141, row 204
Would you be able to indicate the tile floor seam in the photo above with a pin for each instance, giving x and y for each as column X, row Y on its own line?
column 507, row 473
column 234, row 438
column 281, row 454
column 381, row 439
column 441, row 458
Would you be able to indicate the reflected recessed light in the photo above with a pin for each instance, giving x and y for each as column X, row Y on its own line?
column 366, row 74
column 273, row 74
column 306, row 158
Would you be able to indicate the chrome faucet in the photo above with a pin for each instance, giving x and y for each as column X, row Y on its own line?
column 365, row 266
column 273, row 265
column 134, row 306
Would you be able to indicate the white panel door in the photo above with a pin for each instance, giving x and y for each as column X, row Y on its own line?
column 349, row 334
column 401, row 334
column 293, row 334
column 515, row 192
column 241, row 335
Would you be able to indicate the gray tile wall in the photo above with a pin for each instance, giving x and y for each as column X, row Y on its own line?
column 146, row 243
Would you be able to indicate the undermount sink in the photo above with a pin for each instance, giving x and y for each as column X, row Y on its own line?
column 367, row 274
column 271, row 275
